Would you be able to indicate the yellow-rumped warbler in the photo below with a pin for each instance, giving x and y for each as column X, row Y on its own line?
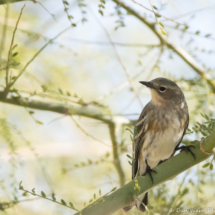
column 160, row 129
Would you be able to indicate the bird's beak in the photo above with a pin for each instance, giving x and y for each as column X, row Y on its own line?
column 148, row 84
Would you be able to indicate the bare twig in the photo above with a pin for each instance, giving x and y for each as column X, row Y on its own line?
column 10, row 49
column 89, row 135
column 37, row 53
column 179, row 51
column 119, row 59
column 4, row 33
column 158, row 14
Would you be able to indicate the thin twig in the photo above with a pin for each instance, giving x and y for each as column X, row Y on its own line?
column 153, row 68
column 4, row 32
column 158, row 14
column 89, row 135
column 37, row 53
column 11, row 46
column 34, row 194
column 119, row 59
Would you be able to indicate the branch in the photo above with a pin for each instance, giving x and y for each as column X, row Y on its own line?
column 72, row 110
column 179, row 51
column 165, row 171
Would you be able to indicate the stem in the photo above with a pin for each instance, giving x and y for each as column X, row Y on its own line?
column 116, row 154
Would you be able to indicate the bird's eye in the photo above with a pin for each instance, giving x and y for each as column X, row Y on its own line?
column 162, row 89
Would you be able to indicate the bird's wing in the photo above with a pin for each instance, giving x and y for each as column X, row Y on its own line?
column 139, row 139
column 185, row 128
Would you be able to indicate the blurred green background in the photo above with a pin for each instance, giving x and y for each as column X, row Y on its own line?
column 95, row 65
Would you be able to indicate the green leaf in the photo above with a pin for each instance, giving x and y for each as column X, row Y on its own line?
column 100, row 192
column 14, row 54
column 71, row 205
column 157, row 15
column 94, row 196
column 20, row 186
column 43, row 194
column 207, row 35
column 113, row 189
column 197, row 32
column 163, row 31
column 60, row 91
column 63, row 202
column 33, row 190
column 161, row 24
column 73, row 25
column 211, row 166
column 129, row 156
column 101, row 12
column 185, row 191
column 205, row 165
column 39, row 122
column 65, row 2
column 130, row 163
column 154, row 7
column 53, row 197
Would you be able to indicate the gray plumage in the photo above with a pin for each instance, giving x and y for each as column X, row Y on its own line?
column 160, row 129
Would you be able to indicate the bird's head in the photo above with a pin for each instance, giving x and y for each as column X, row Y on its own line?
column 163, row 90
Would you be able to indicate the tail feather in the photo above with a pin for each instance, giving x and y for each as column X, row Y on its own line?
column 144, row 201
column 128, row 208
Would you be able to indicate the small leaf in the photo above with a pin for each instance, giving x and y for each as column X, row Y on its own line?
column 157, row 15
column 161, row 24
column 113, row 189
column 20, row 186
column 39, row 122
column 71, row 205
column 43, row 194
column 33, row 190
column 94, row 196
column 100, row 192
column 130, row 163
column 101, row 12
column 150, row 207
column 14, row 54
column 73, row 25
column 90, row 200
column 185, row 191
column 205, row 165
column 63, row 202
column 129, row 156
column 154, row 7
column 197, row 32
column 162, row 31
column 207, row 35
column 211, row 166
column 31, row 112
column 65, row 2
column 53, row 197
column 60, row 91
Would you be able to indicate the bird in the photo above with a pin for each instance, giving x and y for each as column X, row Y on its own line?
column 160, row 130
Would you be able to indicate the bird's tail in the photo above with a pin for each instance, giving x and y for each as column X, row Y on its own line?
column 139, row 204
column 143, row 201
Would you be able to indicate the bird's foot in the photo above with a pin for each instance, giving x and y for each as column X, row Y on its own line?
column 187, row 149
column 149, row 170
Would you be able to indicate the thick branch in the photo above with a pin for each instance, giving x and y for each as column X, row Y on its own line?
column 165, row 171
column 72, row 110
column 180, row 52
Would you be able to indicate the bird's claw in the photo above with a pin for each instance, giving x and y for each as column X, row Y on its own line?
column 149, row 170
column 187, row 149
